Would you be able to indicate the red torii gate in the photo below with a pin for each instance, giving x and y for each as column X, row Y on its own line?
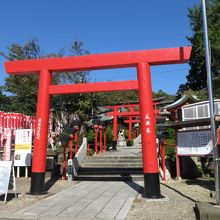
column 130, row 121
column 129, row 114
column 115, row 115
column 142, row 60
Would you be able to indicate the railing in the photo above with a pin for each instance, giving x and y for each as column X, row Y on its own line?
column 82, row 133
column 137, row 140
column 80, row 156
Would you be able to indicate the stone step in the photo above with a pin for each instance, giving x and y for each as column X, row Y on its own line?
column 113, row 158
column 100, row 157
column 114, row 165
column 109, row 171
column 108, row 160
column 111, row 168
column 108, row 178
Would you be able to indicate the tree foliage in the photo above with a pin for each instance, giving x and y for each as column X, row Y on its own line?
column 76, row 49
column 23, row 89
column 4, row 101
column 196, row 79
column 201, row 95
column 161, row 93
column 113, row 98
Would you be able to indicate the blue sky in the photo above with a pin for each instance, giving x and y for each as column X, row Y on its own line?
column 104, row 26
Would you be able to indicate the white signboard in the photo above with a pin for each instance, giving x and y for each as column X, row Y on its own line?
column 5, row 172
column 23, row 146
column 194, row 142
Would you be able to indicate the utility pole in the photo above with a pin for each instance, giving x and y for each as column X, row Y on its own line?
column 211, row 102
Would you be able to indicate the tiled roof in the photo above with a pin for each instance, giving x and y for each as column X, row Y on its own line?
column 181, row 101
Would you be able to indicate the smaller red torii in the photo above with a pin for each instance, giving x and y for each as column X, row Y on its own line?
column 130, row 121
column 130, row 113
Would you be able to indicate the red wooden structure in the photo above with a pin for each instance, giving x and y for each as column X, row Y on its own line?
column 130, row 121
column 116, row 113
column 12, row 121
column 142, row 60
column 130, row 113
column 96, row 128
column 100, row 137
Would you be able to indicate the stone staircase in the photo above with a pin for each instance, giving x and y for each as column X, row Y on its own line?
column 111, row 168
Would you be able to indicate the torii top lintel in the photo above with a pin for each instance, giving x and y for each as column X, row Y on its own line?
column 100, row 61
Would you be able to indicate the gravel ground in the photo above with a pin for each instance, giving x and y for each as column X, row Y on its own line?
column 179, row 202
column 24, row 199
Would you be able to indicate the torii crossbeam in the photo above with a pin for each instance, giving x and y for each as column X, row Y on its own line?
column 142, row 60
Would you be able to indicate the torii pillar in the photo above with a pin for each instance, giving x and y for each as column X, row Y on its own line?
column 148, row 133
column 40, row 140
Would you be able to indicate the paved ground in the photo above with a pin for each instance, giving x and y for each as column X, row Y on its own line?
column 112, row 200
column 86, row 200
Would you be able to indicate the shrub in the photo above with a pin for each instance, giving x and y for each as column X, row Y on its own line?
column 130, row 143
column 91, row 136
column 109, row 135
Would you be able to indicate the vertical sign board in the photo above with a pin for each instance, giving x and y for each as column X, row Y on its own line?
column 23, row 147
column 1, row 128
column 5, row 172
column 194, row 143
column 7, row 142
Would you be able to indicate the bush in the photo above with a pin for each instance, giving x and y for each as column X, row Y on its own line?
column 170, row 148
column 91, row 136
column 170, row 154
column 130, row 143
column 126, row 133
column 90, row 152
column 170, row 134
column 109, row 135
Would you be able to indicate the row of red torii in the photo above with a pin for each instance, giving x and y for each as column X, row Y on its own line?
column 142, row 60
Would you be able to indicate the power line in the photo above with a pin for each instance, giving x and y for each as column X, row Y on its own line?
column 133, row 75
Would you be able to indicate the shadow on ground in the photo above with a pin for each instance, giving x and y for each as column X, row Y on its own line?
column 50, row 183
column 10, row 196
column 135, row 186
column 177, row 191
column 207, row 184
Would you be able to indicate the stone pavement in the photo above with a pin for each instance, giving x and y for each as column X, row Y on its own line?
column 86, row 200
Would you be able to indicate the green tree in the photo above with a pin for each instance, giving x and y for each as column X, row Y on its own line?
column 79, row 104
column 109, row 135
column 113, row 98
column 196, row 79
column 4, row 101
column 201, row 95
column 76, row 49
column 161, row 93
column 23, row 89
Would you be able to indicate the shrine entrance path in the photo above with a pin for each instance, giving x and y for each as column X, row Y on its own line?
column 86, row 200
